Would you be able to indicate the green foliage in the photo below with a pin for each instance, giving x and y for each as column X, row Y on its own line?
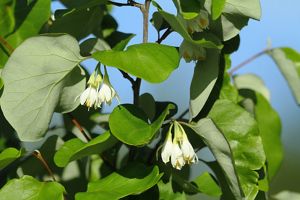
column 152, row 62
column 29, row 188
column 135, row 180
column 129, row 153
column 48, row 79
column 8, row 155
column 76, row 149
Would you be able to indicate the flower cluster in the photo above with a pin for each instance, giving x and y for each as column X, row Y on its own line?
column 99, row 91
column 198, row 23
column 178, row 148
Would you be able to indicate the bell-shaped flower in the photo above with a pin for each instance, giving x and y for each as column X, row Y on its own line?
column 177, row 159
column 167, row 147
column 89, row 96
column 203, row 19
column 106, row 92
column 187, row 149
column 198, row 23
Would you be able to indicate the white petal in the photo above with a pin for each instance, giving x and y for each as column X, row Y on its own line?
column 177, row 159
column 166, row 151
column 84, row 96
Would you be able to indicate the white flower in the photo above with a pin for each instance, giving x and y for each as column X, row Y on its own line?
column 187, row 149
column 106, row 92
column 89, row 97
column 190, row 51
column 167, row 147
column 203, row 19
column 188, row 152
column 177, row 159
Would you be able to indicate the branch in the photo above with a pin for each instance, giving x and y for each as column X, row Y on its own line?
column 183, row 114
column 126, row 75
column 129, row 3
column 5, row 44
column 77, row 124
column 165, row 35
column 248, row 61
column 40, row 157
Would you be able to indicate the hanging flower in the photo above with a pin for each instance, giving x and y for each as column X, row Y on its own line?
column 187, row 149
column 167, row 147
column 106, row 92
column 89, row 96
column 177, row 159
column 179, row 149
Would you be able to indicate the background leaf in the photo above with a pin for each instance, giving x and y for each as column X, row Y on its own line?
column 75, row 149
column 207, row 185
column 29, row 188
column 8, row 155
column 149, row 61
column 204, row 79
column 287, row 61
column 242, row 133
column 138, row 179
column 36, row 75
column 30, row 26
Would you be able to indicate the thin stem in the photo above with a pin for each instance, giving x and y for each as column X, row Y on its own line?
column 129, row 3
column 40, row 157
column 183, row 114
column 77, row 124
column 248, row 61
column 164, row 35
column 126, row 75
column 5, row 44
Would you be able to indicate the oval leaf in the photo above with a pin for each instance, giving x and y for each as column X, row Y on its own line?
column 75, row 149
column 130, row 124
column 116, row 186
column 8, row 155
column 37, row 77
column 149, row 61
column 29, row 188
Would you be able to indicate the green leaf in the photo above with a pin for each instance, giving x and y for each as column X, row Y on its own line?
column 252, row 82
column 130, row 124
column 8, row 155
column 287, row 61
column 159, row 22
column 166, row 192
column 75, row 149
column 86, row 21
column 235, row 16
column 228, row 91
column 208, row 185
column 219, row 146
column 149, row 61
column 204, row 80
column 35, row 19
column 242, row 133
column 41, row 75
column 270, row 130
column 82, row 3
column 283, row 195
column 92, row 45
column 178, row 26
column 217, row 8
column 29, row 188
column 7, row 19
column 115, row 186
column 147, row 104
column 120, row 46
column 1, row 83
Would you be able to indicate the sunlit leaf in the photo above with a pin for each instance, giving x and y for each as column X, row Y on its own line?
column 150, row 61
column 41, row 75
column 217, row 8
column 135, row 180
column 29, row 188
column 166, row 192
column 8, row 155
column 130, row 124
column 288, row 61
column 242, row 133
column 75, row 149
